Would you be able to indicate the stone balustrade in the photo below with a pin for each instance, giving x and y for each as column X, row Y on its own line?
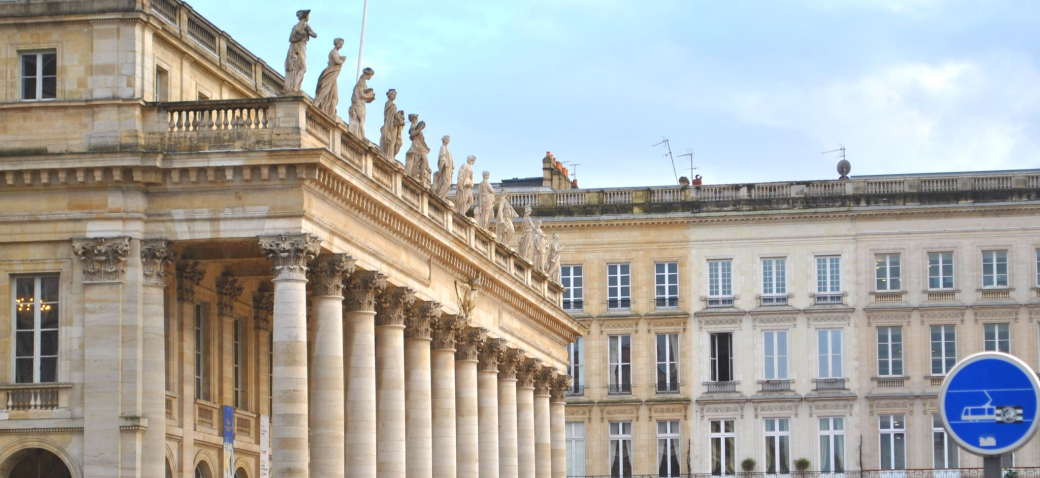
column 35, row 397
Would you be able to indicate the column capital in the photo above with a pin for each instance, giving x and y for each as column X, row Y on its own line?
column 526, row 372
column 446, row 332
column 290, row 254
column 391, row 305
column 508, row 361
column 468, row 346
column 544, row 380
column 489, row 355
column 228, row 291
column 361, row 290
column 561, row 383
column 263, row 308
column 104, row 258
column 327, row 273
column 419, row 319
column 189, row 275
column 156, row 254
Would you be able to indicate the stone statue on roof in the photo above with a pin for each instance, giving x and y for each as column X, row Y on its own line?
column 485, row 203
column 552, row 263
column 326, row 96
column 416, row 163
column 393, row 127
column 504, row 221
column 464, row 186
column 526, row 245
column 296, row 59
column 362, row 95
column 445, row 168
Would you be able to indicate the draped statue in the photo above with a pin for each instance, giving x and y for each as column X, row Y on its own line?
column 464, row 186
column 296, row 59
column 393, row 123
column 445, row 167
column 326, row 96
column 416, row 163
column 526, row 245
column 552, row 263
column 485, row 203
column 504, row 221
column 540, row 246
column 362, row 94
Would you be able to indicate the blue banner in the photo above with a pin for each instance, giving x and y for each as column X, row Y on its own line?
column 229, row 441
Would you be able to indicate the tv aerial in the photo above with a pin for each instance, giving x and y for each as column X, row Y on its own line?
column 668, row 145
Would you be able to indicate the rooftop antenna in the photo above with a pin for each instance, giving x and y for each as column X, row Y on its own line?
column 843, row 164
column 575, row 166
column 840, row 151
column 691, row 154
column 361, row 48
column 665, row 142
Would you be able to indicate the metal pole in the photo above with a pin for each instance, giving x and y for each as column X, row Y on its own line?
column 991, row 467
column 361, row 48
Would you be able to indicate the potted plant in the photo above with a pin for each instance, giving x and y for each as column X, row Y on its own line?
column 748, row 465
column 802, row 465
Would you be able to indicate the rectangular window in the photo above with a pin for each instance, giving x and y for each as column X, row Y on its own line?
column 1038, row 267
column 944, row 348
column 994, row 269
column 162, row 84
column 887, row 272
column 775, row 347
column 722, row 357
column 667, row 363
column 619, row 287
column 940, row 270
column 575, row 449
column 828, row 280
column 39, row 76
column 576, row 366
column 239, row 364
column 890, row 351
column 668, row 448
column 778, row 446
column 893, row 442
column 832, row 445
column 774, row 281
column 573, row 293
column 723, row 447
column 666, row 285
column 830, row 350
column 620, row 449
column 997, row 338
column 620, row 364
column 201, row 356
column 35, row 312
column 945, row 453
column 720, row 278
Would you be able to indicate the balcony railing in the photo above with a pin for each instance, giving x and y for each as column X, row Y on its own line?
column 666, row 388
column 775, row 385
column 31, row 397
column 889, row 382
column 772, row 300
column 721, row 387
column 889, row 296
column 573, row 305
column 207, row 414
column 575, row 391
column 619, row 304
column 940, row 295
column 830, row 384
column 666, row 302
column 936, row 380
column 995, row 294
column 828, row 298
column 720, row 302
column 619, row 389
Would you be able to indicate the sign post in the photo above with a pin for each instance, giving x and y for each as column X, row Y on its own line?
column 989, row 404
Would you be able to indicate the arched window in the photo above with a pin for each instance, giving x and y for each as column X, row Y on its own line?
column 38, row 463
column 241, row 473
column 201, row 471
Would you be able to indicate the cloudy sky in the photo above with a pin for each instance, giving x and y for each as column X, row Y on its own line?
column 757, row 89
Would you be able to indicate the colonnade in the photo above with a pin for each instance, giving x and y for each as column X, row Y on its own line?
column 399, row 389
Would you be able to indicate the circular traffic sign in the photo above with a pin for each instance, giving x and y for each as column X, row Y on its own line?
column 989, row 403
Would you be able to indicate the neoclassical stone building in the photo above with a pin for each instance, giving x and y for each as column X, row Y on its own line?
column 777, row 321
column 205, row 279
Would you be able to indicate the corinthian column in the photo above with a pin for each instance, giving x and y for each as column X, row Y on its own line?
column 327, row 274
column 289, row 422
column 467, row 434
column 487, row 411
column 525, row 448
column 418, row 413
column 390, row 428
column 558, row 425
column 155, row 256
column 542, row 436
column 442, row 371
column 507, row 458
column 359, row 370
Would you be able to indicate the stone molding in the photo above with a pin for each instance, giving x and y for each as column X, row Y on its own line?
column 558, row 391
column 544, row 379
column 290, row 253
column 781, row 408
column 228, row 292
column 263, row 309
column 489, row 354
column 446, row 332
column 156, row 254
column 104, row 258
column 508, row 361
column 419, row 319
column 889, row 317
column 361, row 290
column 391, row 305
column 189, row 275
column 468, row 346
column 823, row 408
column 327, row 273
column 526, row 371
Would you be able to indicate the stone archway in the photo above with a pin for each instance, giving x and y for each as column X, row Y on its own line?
column 36, row 463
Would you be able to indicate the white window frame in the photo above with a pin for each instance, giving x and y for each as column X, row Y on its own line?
column 828, row 280
column 991, row 262
column 825, row 353
column 37, row 304
column 724, row 450
column 576, row 365
column 896, row 428
column 618, row 379
column 670, row 383
column 39, row 76
column 939, row 435
column 575, row 442
column 947, row 334
column 892, row 356
column 618, row 440
column 239, row 357
column 997, row 339
column 772, row 339
column 201, row 354
column 774, row 281
column 573, row 295
column 940, row 260
column 720, row 283
column 830, row 434
column 621, row 292
column 1037, row 251
column 885, row 280
column 777, row 435
column 670, row 439
column 714, row 360
column 670, row 276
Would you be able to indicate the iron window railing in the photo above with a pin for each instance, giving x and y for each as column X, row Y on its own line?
column 619, row 389
column 672, row 387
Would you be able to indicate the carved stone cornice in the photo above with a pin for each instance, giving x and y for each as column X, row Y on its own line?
column 156, row 254
column 544, row 380
column 419, row 319
column 263, row 309
column 361, row 289
column 561, row 384
column 228, row 291
column 489, row 354
column 469, row 344
column 446, row 332
column 290, row 254
column 189, row 275
column 391, row 305
column 526, row 372
column 104, row 258
column 508, row 361
column 327, row 273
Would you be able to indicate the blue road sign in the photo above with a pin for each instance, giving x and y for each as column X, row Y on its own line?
column 989, row 403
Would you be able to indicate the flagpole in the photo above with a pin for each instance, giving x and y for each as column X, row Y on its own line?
column 361, row 48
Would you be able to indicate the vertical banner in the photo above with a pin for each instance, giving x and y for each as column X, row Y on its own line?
column 265, row 446
column 229, row 441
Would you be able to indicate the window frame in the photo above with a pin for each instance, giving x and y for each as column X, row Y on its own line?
column 573, row 295
column 618, row 380
column 669, row 382
column 622, row 436
column 39, row 76
column 724, row 450
column 894, row 432
column 672, row 438
column 573, row 440
column 948, row 446
column 944, row 355
column 777, row 356
column 200, row 336
column 940, row 266
column 778, row 435
column 994, row 257
column 667, row 301
column 715, row 360
column 832, row 274
column 161, row 88
column 997, row 339
column 37, row 304
column 830, row 434
column 891, row 357
column 576, row 363
column 774, row 280
column 830, row 354
column 239, row 364
column 888, row 277
column 721, row 285
column 621, row 272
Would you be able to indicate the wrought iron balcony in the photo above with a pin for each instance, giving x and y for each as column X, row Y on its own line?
column 829, row 298
column 722, row 387
column 830, row 384
column 666, row 302
column 717, row 302
column 575, row 391
column 775, row 385
column 619, row 304
column 772, row 300
column 672, row 387
column 619, row 389
column 573, row 305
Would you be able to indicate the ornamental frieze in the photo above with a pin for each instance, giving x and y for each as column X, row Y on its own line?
column 889, row 317
column 721, row 410
column 668, row 411
column 724, row 321
column 631, row 412
column 769, row 320
column 790, row 408
column 667, row 324
column 827, row 408
column 996, row 314
column 945, row 314
column 104, row 258
column 612, row 324
column 823, row 320
column 900, row 406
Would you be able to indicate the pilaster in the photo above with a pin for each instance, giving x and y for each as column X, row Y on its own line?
column 156, row 255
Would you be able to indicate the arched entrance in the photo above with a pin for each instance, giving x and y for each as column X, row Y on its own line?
column 37, row 463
